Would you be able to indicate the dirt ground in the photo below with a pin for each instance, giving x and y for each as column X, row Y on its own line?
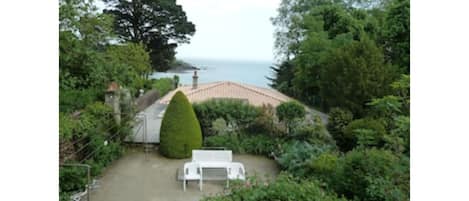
column 151, row 177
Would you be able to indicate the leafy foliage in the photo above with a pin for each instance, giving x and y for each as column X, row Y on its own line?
column 163, row 85
column 313, row 132
column 245, row 143
column 83, row 33
column 340, row 53
column 153, row 23
column 265, row 122
column 100, row 114
column 90, row 57
column 366, row 132
column 401, row 88
column 94, row 118
column 372, row 174
column 398, row 139
column 89, row 131
column 354, row 74
column 72, row 179
column 219, row 126
column 282, row 77
column 284, row 188
column 290, row 111
column 323, row 167
column 296, row 156
column 66, row 126
column 178, row 141
column 238, row 114
column 397, row 34
column 133, row 56
column 338, row 120
column 103, row 153
column 386, row 106
column 76, row 99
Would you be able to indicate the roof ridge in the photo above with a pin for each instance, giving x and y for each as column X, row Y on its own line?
column 215, row 84
column 255, row 90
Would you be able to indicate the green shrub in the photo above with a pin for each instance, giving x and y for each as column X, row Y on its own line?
column 163, row 85
column 73, row 100
column 259, row 144
column 312, row 132
column 338, row 120
column 230, row 142
column 246, row 143
column 399, row 136
column 324, row 166
column 368, row 132
column 289, row 111
column 385, row 107
column 238, row 114
column 97, row 116
column 91, row 129
column 219, row 127
column 372, row 174
column 100, row 151
column 72, row 179
column 104, row 152
column 180, row 130
column 284, row 188
column 64, row 196
column 67, row 126
column 297, row 155
column 265, row 122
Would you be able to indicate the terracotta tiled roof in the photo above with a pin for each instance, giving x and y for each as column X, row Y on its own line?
column 257, row 96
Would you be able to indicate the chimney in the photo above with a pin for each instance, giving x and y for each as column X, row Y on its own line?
column 194, row 80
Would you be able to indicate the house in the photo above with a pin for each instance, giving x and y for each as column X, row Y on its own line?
column 253, row 95
column 148, row 131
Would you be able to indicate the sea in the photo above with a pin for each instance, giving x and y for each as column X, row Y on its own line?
column 212, row 70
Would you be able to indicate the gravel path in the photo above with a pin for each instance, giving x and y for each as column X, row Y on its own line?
column 152, row 177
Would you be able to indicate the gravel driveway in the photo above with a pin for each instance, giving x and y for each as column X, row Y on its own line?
column 151, row 177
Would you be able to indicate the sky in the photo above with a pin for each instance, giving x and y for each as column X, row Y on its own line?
column 228, row 29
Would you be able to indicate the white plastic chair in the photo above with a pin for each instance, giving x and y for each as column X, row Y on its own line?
column 192, row 171
column 235, row 171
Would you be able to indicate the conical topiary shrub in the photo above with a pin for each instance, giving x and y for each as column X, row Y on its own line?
column 180, row 131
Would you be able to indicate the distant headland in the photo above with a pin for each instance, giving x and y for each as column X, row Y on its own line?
column 178, row 66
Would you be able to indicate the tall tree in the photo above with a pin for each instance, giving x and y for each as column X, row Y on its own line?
column 353, row 75
column 159, row 24
column 397, row 34
column 282, row 77
column 133, row 56
column 82, row 34
column 289, row 30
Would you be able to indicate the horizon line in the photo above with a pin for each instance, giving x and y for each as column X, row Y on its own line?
column 226, row 59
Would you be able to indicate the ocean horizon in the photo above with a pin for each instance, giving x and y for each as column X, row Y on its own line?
column 213, row 70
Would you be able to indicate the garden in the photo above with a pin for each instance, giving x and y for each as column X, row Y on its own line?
column 364, row 158
column 352, row 63
column 350, row 158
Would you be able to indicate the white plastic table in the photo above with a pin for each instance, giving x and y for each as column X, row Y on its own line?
column 221, row 165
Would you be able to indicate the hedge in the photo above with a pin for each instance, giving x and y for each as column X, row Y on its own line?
column 180, row 131
column 237, row 113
